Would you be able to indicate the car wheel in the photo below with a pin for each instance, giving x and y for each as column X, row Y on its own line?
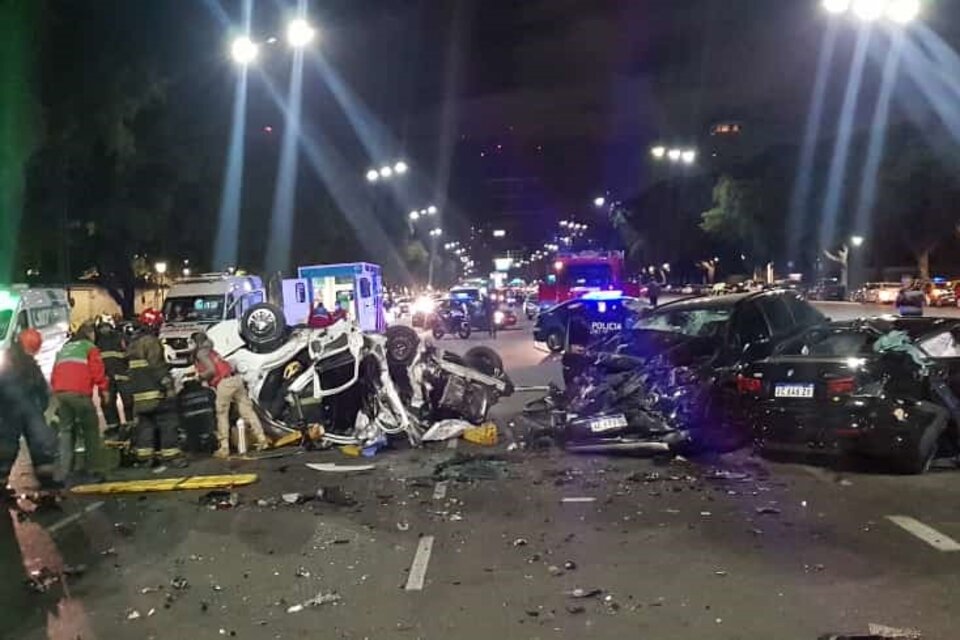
column 485, row 360
column 263, row 327
column 464, row 331
column 920, row 459
column 402, row 343
column 555, row 341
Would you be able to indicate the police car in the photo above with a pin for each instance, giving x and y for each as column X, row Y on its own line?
column 599, row 313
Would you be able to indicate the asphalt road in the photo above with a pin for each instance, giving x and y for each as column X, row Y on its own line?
column 660, row 549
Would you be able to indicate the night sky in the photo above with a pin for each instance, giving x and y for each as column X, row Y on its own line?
column 563, row 97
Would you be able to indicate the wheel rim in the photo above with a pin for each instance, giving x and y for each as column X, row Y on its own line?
column 261, row 323
column 553, row 341
column 399, row 349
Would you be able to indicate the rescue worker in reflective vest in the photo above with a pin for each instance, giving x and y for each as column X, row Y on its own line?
column 218, row 374
column 151, row 387
column 112, row 350
column 77, row 373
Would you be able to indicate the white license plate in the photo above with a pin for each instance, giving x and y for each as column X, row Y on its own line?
column 793, row 391
column 608, row 424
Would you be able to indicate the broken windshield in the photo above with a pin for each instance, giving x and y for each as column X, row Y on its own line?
column 695, row 323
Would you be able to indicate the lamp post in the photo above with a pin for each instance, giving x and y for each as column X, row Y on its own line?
column 161, row 269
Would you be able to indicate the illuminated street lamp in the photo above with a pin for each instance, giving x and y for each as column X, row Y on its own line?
column 899, row 11
column 414, row 215
column 599, row 201
column 243, row 50
column 436, row 233
column 658, row 152
column 431, row 210
column 856, row 241
column 160, row 268
column 499, row 233
column 300, row 33
column 903, row 11
column 387, row 171
column 688, row 156
column 836, row 6
column 674, row 155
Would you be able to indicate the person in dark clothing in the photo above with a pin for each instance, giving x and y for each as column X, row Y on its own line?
column 24, row 394
column 112, row 349
column 653, row 292
column 489, row 312
column 911, row 300
column 150, row 386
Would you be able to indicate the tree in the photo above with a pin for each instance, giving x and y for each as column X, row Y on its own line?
column 742, row 217
column 919, row 192
column 18, row 128
column 114, row 175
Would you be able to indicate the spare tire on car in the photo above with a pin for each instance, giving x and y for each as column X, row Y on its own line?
column 402, row 343
column 263, row 327
column 485, row 360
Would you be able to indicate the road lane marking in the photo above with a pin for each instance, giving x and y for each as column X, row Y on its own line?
column 578, row 500
column 440, row 491
column 928, row 534
column 418, row 570
column 452, row 444
column 817, row 473
column 73, row 517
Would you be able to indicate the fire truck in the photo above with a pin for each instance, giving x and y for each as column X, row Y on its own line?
column 574, row 274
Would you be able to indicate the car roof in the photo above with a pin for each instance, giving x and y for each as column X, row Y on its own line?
column 700, row 302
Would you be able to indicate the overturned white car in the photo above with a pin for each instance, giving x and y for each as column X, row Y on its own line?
column 357, row 386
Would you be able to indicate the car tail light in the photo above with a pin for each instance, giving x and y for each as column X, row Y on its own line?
column 749, row 386
column 841, row 386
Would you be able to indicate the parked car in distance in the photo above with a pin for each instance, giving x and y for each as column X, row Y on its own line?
column 881, row 292
column 828, row 290
column 881, row 388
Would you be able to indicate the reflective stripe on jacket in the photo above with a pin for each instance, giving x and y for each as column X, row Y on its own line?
column 146, row 385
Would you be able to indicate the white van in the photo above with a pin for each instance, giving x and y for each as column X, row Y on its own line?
column 199, row 302
column 43, row 308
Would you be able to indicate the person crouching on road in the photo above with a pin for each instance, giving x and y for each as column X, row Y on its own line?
column 218, row 374
column 24, row 394
column 77, row 373
column 151, row 387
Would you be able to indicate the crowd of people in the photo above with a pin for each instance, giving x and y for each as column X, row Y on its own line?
column 102, row 360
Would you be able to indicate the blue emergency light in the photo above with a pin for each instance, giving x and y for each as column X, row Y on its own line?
column 603, row 295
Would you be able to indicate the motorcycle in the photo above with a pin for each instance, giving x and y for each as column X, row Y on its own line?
column 360, row 387
column 443, row 324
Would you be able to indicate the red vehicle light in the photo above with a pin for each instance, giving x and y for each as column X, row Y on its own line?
column 749, row 386
column 841, row 386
